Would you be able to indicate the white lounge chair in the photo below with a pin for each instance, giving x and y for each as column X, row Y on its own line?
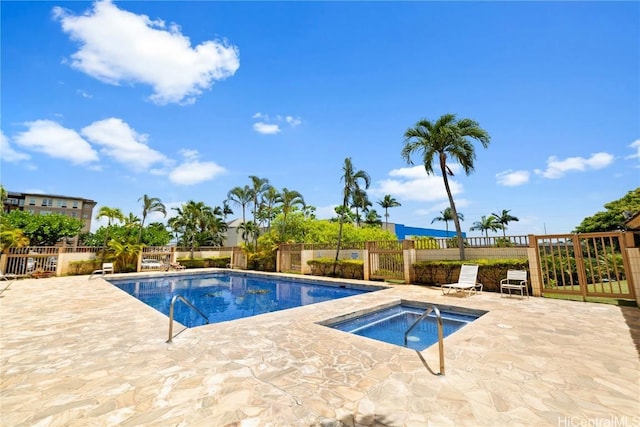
column 467, row 281
column 7, row 276
column 107, row 267
column 515, row 280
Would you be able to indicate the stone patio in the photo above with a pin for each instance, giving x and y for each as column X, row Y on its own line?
column 79, row 352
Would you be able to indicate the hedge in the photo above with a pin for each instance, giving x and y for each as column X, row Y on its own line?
column 490, row 273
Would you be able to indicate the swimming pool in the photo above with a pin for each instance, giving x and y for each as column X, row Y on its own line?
column 390, row 323
column 228, row 296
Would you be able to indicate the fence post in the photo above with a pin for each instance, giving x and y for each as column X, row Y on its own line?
column 278, row 262
column 366, row 266
column 534, row 266
column 58, row 259
column 408, row 257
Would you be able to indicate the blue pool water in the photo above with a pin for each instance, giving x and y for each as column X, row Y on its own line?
column 228, row 296
column 390, row 324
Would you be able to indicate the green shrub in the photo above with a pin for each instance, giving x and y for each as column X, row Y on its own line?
column 217, row 262
column 262, row 261
column 83, row 267
column 346, row 268
column 192, row 263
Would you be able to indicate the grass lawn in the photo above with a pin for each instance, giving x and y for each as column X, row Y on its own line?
column 624, row 288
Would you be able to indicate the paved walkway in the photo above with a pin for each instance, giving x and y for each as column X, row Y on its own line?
column 79, row 352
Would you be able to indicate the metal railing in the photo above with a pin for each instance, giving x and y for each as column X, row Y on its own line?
column 440, row 333
column 173, row 302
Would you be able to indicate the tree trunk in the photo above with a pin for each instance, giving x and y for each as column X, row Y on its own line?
column 454, row 212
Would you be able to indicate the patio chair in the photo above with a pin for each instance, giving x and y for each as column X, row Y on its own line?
column 107, row 267
column 467, row 281
column 515, row 280
column 7, row 276
column 176, row 266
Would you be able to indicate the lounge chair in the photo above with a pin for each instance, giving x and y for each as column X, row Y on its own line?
column 107, row 267
column 467, row 281
column 176, row 266
column 515, row 280
column 8, row 276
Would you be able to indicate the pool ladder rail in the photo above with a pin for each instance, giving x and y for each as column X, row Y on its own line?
column 440, row 333
column 173, row 303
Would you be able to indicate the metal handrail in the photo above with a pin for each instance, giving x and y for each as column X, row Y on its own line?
column 173, row 302
column 440, row 333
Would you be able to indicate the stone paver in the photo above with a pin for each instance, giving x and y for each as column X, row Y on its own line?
column 79, row 352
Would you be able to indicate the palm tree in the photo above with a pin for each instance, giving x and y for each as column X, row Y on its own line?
column 485, row 224
column 130, row 223
column 373, row 218
column 351, row 179
column 241, row 196
column 288, row 200
column 386, row 203
column 198, row 225
column 444, row 138
column 360, row 201
column 260, row 186
column 446, row 216
column 270, row 198
column 112, row 214
column 504, row 218
column 149, row 205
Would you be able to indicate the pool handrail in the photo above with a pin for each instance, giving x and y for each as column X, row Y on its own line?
column 440, row 333
column 173, row 302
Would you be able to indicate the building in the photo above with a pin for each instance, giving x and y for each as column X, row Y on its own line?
column 405, row 232
column 42, row 204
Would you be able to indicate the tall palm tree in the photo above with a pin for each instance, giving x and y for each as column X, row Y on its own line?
column 485, row 224
column 270, row 198
column 149, row 205
column 288, row 200
column 112, row 214
column 443, row 139
column 259, row 187
column 351, row 179
column 504, row 218
column 388, row 202
column 241, row 196
column 446, row 216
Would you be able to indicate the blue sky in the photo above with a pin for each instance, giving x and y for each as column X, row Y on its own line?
column 184, row 100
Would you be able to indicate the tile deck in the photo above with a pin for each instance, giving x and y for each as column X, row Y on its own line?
column 79, row 352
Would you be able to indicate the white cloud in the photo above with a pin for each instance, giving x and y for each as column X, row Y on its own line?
column 50, row 138
column 271, row 125
column 122, row 143
column 511, row 178
column 7, row 153
column 266, row 129
column 635, row 145
column 117, row 46
column 192, row 171
column 413, row 184
column 557, row 168
column 326, row 212
column 293, row 121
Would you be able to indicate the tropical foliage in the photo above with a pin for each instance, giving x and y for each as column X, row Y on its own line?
column 615, row 215
column 40, row 230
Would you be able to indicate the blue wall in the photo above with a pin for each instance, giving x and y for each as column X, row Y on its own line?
column 403, row 231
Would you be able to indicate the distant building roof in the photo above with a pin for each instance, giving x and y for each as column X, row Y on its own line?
column 634, row 222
